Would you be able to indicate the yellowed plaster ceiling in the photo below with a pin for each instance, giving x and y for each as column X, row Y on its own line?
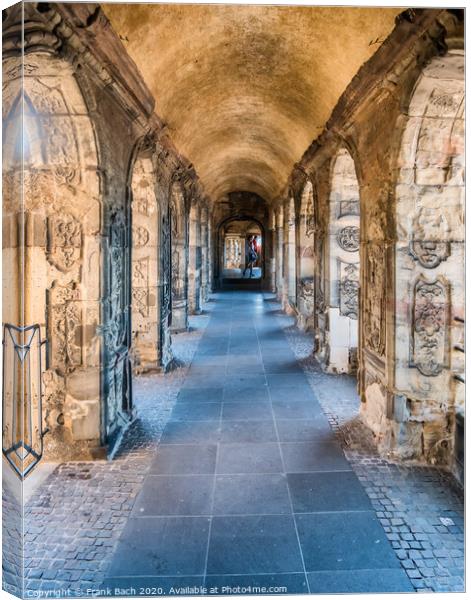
column 245, row 89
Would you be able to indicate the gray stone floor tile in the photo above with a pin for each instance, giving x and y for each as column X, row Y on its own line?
column 251, row 495
column 318, row 492
column 162, row 546
column 293, row 409
column 254, row 395
column 243, row 383
column 169, row 495
column 190, row 432
column 252, row 545
column 247, row 411
column 175, row 459
column 305, row 430
column 196, row 411
column 344, row 541
column 286, row 379
column 247, row 432
column 249, row 458
column 299, row 393
column 299, row 457
column 170, row 467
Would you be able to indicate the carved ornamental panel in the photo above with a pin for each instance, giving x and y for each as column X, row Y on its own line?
column 64, row 327
column 430, row 322
column 64, row 241
column 349, row 289
column 375, row 300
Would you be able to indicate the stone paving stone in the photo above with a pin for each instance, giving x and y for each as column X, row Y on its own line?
column 162, row 546
column 344, row 540
column 239, row 545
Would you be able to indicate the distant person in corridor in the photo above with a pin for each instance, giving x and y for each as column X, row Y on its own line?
column 250, row 254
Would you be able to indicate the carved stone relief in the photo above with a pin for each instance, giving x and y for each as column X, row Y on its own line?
column 64, row 241
column 140, row 303
column 64, row 327
column 62, row 145
column 375, row 298
column 430, row 322
column 429, row 245
column 140, row 236
column 306, row 295
column 349, row 289
column 348, row 238
column 348, row 208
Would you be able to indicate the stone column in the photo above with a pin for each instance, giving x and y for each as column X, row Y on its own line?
column 289, row 265
column 279, row 253
column 270, row 252
column 194, row 271
column 204, row 255
column 145, row 265
column 179, row 232
column 305, row 289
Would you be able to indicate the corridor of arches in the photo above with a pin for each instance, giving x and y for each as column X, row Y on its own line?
column 251, row 285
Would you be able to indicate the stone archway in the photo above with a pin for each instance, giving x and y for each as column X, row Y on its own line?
column 234, row 234
column 59, row 226
column 429, row 255
column 343, row 265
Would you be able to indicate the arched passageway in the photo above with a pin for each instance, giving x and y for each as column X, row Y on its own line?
column 343, row 266
column 343, row 345
column 242, row 250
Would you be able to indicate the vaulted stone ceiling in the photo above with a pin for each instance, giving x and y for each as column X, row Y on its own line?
column 245, row 89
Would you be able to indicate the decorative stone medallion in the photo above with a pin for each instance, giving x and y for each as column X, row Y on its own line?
column 348, row 238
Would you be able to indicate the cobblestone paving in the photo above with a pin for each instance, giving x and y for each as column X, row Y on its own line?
column 420, row 507
column 75, row 518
